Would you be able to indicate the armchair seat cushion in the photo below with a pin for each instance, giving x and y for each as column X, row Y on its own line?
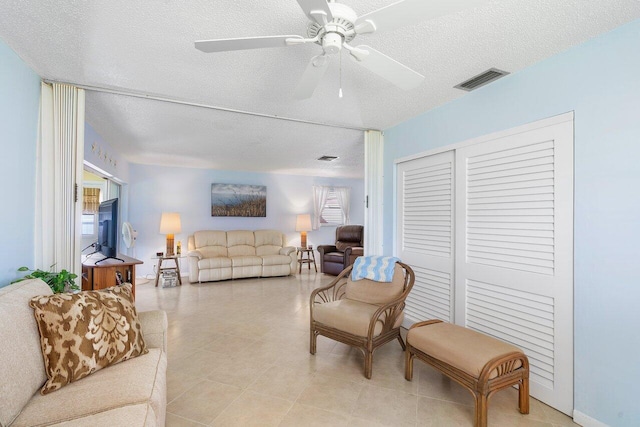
column 349, row 316
column 334, row 257
column 215, row 262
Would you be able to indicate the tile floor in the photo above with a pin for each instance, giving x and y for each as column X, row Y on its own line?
column 239, row 356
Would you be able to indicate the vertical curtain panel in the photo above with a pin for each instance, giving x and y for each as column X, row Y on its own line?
column 343, row 195
column 320, row 195
column 373, row 188
column 59, row 177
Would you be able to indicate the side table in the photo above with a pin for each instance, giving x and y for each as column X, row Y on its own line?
column 309, row 259
column 176, row 260
column 105, row 273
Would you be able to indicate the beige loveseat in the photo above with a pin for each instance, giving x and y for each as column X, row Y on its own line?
column 130, row 393
column 222, row 255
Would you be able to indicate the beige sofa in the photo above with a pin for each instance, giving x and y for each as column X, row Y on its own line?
column 222, row 255
column 131, row 393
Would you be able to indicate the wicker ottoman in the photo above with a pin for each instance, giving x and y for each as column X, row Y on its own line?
column 480, row 363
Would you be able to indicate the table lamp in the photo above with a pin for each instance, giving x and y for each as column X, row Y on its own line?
column 303, row 224
column 170, row 225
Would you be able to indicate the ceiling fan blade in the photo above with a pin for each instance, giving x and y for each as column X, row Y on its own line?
column 409, row 12
column 388, row 68
column 311, row 77
column 316, row 10
column 223, row 45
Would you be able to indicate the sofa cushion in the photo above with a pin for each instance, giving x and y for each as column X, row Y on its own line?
column 350, row 316
column 131, row 415
column 268, row 242
column 85, row 332
column 21, row 368
column 243, row 261
column 139, row 381
column 216, row 262
column 211, row 251
column 242, row 272
column 210, row 238
column 215, row 274
column 241, row 242
column 276, row 270
column 210, row 243
column 372, row 292
column 276, row 260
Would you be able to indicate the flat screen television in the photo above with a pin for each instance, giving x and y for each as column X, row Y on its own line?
column 108, row 228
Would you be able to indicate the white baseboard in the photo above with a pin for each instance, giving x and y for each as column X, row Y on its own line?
column 586, row 421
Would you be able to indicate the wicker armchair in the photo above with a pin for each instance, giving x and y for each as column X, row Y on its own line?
column 363, row 314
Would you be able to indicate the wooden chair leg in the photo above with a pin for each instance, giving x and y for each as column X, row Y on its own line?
column 368, row 363
column 481, row 410
column 404, row 347
column 312, row 343
column 523, row 396
column 408, row 365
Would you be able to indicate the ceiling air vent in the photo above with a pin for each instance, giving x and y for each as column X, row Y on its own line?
column 481, row 79
column 327, row 158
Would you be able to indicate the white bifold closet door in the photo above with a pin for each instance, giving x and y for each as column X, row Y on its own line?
column 512, row 266
column 425, row 231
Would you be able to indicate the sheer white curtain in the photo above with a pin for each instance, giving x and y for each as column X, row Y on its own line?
column 342, row 195
column 60, row 155
column 320, row 195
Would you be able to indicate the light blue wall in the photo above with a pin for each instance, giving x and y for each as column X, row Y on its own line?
column 19, row 105
column 155, row 189
column 600, row 81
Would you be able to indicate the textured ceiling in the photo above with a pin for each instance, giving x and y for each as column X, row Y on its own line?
column 146, row 46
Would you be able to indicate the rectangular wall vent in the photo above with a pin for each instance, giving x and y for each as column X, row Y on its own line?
column 481, row 79
column 327, row 158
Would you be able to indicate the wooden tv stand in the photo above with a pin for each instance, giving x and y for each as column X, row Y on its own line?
column 103, row 275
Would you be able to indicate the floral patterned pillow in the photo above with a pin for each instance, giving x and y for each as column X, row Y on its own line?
column 85, row 332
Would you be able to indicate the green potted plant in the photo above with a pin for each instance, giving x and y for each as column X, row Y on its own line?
column 59, row 282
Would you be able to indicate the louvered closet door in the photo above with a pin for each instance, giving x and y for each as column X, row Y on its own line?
column 425, row 234
column 514, row 258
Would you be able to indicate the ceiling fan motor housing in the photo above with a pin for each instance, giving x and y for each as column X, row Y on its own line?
column 332, row 43
column 337, row 31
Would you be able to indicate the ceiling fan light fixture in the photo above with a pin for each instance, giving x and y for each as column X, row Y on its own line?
column 332, row 43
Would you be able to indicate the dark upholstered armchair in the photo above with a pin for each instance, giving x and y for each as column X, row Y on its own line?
column 349, row 245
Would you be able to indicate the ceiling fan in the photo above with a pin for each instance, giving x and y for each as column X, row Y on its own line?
column 334, row 26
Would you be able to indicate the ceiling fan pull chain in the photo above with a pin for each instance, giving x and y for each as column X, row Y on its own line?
column 340, row 91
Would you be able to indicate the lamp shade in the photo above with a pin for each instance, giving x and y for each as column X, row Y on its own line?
column 170, row 223
column 303, row 222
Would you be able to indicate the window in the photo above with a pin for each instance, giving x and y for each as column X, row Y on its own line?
column 330, row 206
column 331, row 211
column 89, row 224
column 90, row 205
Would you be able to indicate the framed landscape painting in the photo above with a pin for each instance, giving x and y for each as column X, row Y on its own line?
column 238, row 200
